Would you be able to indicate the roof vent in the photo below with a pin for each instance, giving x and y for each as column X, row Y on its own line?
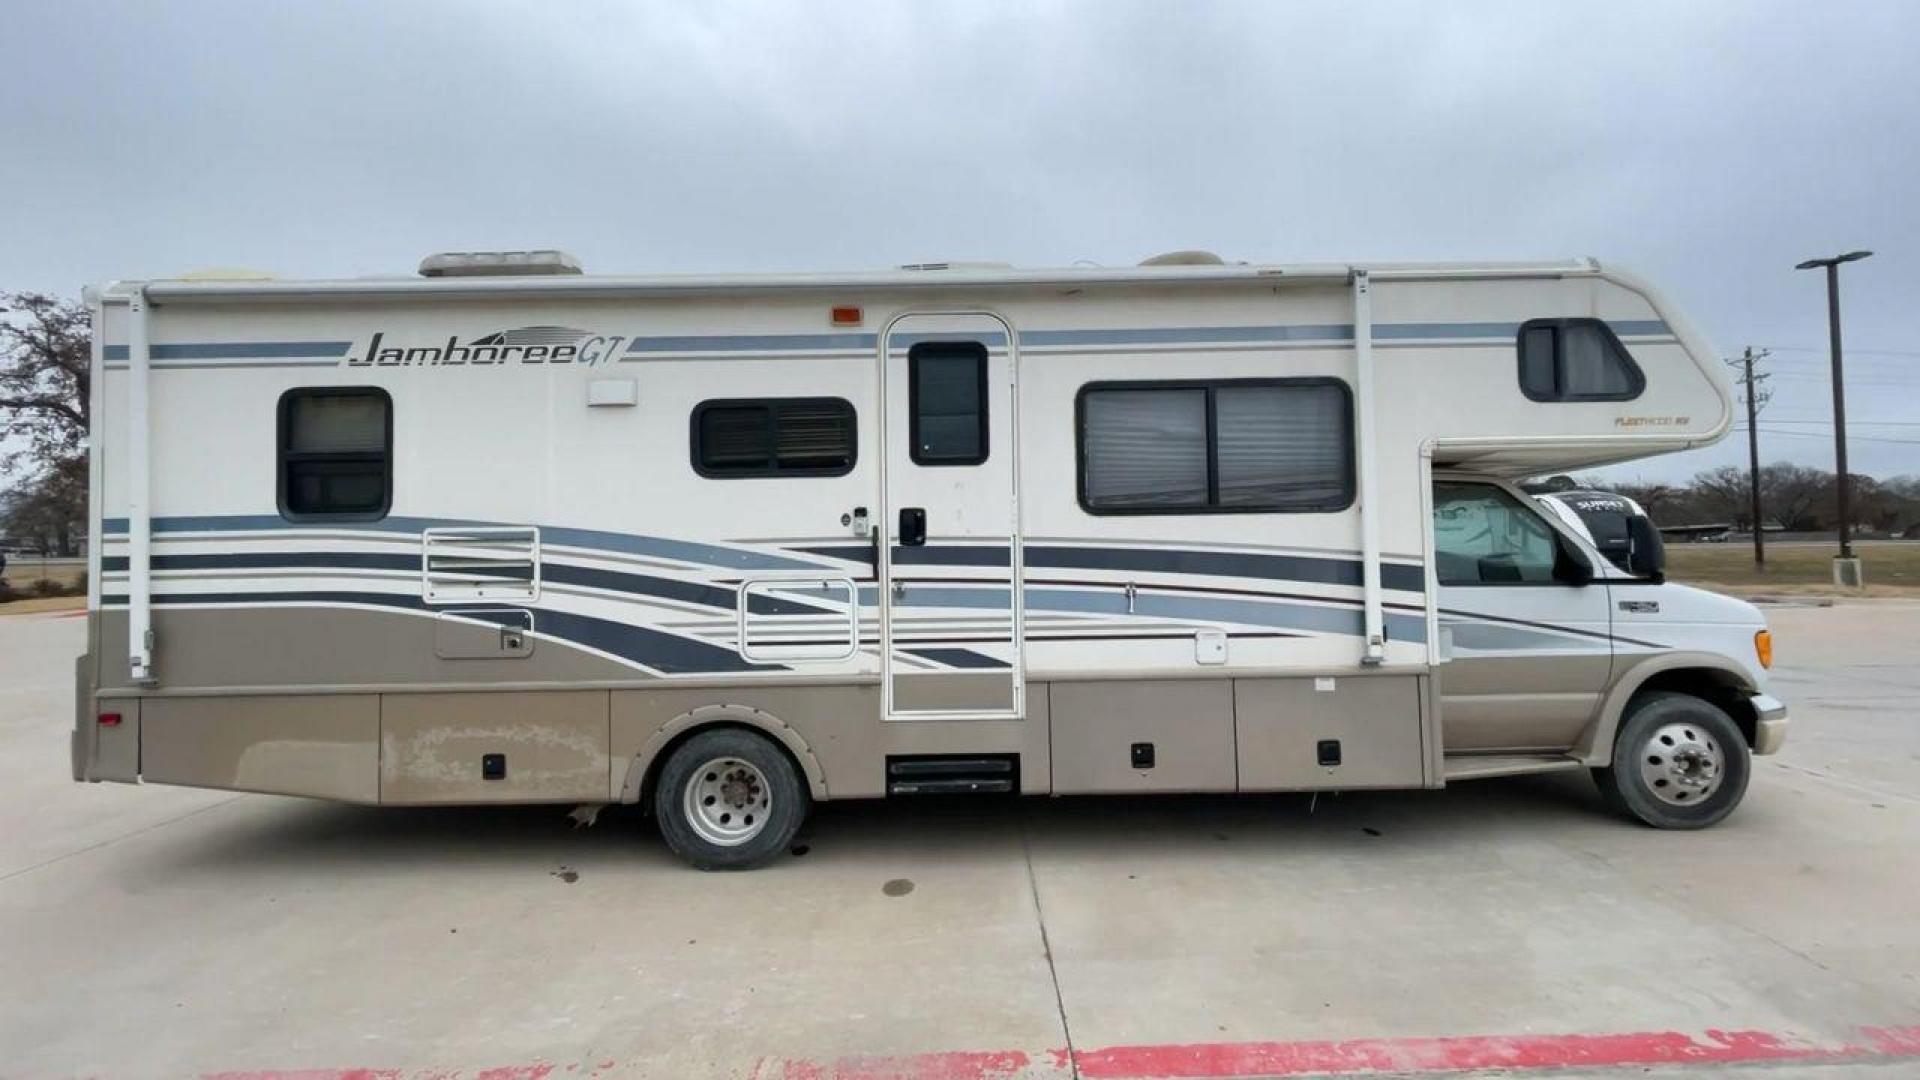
column 1184, row 258
column 498, row 264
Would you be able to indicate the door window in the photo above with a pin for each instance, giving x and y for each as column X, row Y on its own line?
column 1484, row 536
column 947, row 400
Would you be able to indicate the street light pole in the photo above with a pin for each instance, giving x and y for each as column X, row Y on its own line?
column 1832, row 267
column 1839, row 412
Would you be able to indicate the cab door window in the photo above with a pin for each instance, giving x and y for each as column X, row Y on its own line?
column 1484, row 536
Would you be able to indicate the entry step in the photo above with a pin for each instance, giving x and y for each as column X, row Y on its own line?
column 938, row 774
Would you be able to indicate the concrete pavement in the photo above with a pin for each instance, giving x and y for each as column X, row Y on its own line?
column 166, row 932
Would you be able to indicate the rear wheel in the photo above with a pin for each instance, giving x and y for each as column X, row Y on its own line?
column 1679, row 762
column 729, row 800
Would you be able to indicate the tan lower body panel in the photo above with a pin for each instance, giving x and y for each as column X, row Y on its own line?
column 323, row 745
column 983, row 691
column 552, row 746
column 1521, row 702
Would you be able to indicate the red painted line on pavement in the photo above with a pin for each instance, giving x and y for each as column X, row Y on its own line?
column 1239, row 1061
column 1894, row 1042
column 1360, row 1057
column 1444, row 1055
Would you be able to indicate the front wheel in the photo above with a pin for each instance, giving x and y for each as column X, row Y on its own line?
column 729, row 800
column 1679, row 762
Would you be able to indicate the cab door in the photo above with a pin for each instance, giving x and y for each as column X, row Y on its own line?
column 1528, row 653
column 950, row 562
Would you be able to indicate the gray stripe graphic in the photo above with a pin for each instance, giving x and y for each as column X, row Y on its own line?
column 1344, row 618
column 554, row 573
column 655, row 649
column 1306, row 568
column 1151, row 335
column 233, row 350
column 655, row 546
column 750, row 342
column 1489, row 637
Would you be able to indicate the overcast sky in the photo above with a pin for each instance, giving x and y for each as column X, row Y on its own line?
column 1710, row 146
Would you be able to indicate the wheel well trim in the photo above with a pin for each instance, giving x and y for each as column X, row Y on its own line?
column 708, row 717
column 1596, row 746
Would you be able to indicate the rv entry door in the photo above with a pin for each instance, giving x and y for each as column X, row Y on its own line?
column 950, row 561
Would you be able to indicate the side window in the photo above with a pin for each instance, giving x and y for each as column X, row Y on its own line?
column 947, row 402
column 1576, row 360
column 336, row 453
column 1143, row 450
column 1232, row 446
column 736, row 438
column 1484, row 536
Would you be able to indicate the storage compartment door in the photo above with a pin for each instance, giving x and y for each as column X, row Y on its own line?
column 1350, row 731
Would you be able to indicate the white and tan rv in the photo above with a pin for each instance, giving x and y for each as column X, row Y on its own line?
column 725, row 545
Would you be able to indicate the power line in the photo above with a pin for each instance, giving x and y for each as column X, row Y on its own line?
column 1829, row 423
column 1824, row 377
column 1850, row 349
column 1823, row 434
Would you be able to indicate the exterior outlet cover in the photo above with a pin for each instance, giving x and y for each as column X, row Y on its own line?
column 1210, row 647
column 613, row 392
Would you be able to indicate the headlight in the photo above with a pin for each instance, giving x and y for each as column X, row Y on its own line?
column 1763, row 647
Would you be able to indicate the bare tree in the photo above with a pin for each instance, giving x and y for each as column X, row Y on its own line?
column 1797, row 496
column 45, row 348
column 1722, row 494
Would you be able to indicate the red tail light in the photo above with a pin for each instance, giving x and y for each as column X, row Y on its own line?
column 109, row 719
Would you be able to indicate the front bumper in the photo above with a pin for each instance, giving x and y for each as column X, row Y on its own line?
column 1770, row 723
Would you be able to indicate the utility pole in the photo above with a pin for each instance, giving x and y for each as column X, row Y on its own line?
column 1754, row 401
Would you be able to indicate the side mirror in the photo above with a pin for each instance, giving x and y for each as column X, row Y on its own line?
column 1646, row 553
column 1570, row 565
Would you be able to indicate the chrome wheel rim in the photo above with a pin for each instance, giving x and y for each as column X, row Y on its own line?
column 727, row 801
column 1682, row 764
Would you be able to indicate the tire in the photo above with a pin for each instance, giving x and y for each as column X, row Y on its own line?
column 1679, row 762
column 729, row 799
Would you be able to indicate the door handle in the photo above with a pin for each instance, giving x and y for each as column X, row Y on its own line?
column 913, row 526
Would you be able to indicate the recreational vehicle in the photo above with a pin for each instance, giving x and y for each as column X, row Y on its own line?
column 725, row 545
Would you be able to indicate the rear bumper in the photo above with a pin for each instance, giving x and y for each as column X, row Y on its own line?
column 1770, row 726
